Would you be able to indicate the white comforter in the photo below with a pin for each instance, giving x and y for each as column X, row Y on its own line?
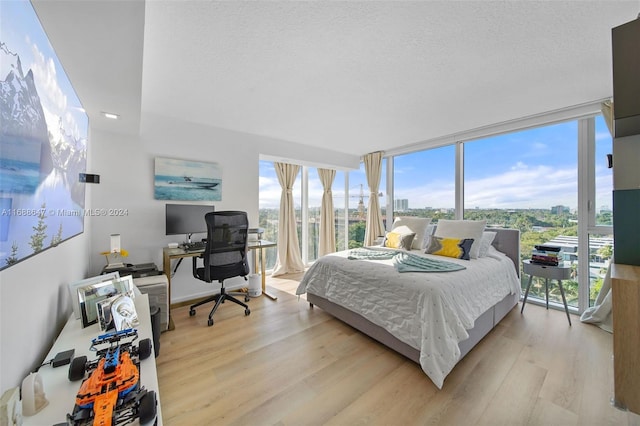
column 429, row 311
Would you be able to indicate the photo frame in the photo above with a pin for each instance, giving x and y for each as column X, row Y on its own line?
column 187, row 180
column 90, row 295
column 123, row 312
column 74, row 286
column 105, row 319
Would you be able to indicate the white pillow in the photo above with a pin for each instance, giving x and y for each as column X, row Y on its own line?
column 463, row 229
column 417, row 225
column 400, row 237
column 485, row 242
column 428, row 234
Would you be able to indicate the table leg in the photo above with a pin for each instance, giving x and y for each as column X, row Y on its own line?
column 526, row 293
column 564, row 300
column 166, row 268
column 262, row 270
column 546, row 290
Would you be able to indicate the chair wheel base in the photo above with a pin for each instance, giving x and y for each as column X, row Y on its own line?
column 192, row 312
column 246, row 298
column 210, row 322
column 247, row 311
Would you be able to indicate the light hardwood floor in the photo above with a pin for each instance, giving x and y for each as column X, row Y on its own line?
column 287, row 364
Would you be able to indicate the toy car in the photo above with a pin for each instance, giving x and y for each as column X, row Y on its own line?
column 111, row 393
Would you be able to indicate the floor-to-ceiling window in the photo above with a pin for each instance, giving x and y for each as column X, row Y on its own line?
column 359, row 194
column 551, row 181
column 340, row 209
column 269, row 206
column 315, row 191
column 307, row 194
column 528, row 180
column 424, row 183
column 600, row 210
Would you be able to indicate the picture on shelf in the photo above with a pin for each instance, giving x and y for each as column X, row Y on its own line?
column 123, row 312
column 90, row 295
column 74, row 286
column 105, row 319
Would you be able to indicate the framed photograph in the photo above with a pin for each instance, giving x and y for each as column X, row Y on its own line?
column 187, row 180
column 90, row 295
column 123, row 312
column 74, row 286
column 105, row 319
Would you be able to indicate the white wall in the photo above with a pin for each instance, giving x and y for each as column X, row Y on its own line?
column 34, row 300
column 35, row 304
column 126, row 169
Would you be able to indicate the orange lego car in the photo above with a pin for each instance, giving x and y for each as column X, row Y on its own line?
column 111, row 393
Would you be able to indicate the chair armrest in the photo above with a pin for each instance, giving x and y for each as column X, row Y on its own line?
column 194, row 265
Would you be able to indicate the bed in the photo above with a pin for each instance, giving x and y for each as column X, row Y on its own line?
column 432, row 318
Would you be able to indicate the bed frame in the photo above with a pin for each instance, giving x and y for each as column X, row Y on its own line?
column 507, row 241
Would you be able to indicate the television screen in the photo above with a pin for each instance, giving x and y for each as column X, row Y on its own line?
column 186, row 219
column 43, row 141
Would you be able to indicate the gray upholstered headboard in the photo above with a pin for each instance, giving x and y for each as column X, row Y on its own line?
column 508, row 242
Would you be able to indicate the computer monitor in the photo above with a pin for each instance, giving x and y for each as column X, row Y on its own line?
column 186, row 219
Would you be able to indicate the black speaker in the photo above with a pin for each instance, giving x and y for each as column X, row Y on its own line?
column 89, row 178
column 155, row 328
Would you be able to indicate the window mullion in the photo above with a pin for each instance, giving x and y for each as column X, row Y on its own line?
column 304, row 215
column 586, row 204
column 459, row 180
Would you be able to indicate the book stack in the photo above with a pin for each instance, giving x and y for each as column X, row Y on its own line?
column 546, row 255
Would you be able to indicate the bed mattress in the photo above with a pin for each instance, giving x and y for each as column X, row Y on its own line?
column 429, row 311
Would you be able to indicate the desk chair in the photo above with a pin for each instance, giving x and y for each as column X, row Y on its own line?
column 225, row 256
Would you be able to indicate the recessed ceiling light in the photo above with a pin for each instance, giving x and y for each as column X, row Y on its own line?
column 111, row 115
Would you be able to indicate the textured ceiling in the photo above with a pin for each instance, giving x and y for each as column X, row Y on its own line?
column 356, row 77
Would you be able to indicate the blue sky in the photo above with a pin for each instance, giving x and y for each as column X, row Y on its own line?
column 22, row 33
column 535, row 168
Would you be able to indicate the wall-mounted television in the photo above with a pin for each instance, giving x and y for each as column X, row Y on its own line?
column 43, row 141
column 186, row 219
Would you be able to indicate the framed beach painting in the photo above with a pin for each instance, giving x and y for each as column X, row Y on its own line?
column 187, row 180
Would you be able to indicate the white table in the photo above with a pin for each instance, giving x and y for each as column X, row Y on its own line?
column 61, row 392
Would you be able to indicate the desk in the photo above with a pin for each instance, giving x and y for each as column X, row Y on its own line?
column 169, row 254
column 61, row 392
column 548, row 272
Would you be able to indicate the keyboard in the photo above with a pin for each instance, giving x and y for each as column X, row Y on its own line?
column 195, row 246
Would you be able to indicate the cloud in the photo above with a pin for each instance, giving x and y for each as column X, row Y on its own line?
column 54, row 100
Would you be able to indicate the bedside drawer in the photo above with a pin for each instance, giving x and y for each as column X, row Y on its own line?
column 546, row 271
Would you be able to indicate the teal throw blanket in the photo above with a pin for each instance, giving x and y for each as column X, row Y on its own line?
column 404, row 261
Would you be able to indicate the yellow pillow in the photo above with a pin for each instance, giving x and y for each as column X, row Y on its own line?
column 450, row 247
column 401, row 240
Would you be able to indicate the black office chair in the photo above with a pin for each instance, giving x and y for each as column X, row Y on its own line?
column 225, row 256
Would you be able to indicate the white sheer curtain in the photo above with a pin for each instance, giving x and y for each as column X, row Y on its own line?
column 373, row 170
column 600, row 313
column 289, row 259
column 327, row 243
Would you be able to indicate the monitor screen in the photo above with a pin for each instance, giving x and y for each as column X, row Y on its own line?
column 186, row 219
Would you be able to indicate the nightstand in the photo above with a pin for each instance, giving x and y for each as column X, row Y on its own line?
column 547, row 272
